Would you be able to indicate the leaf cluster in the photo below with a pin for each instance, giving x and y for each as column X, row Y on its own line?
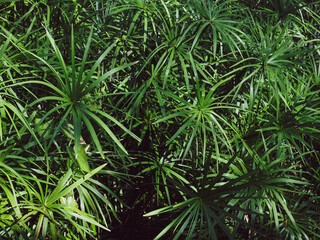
column 194, row 119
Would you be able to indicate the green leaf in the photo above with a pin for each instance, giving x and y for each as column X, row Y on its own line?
column 82, row 159
column 61, row 188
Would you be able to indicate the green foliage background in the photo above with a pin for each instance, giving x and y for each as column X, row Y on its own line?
column 141, row 119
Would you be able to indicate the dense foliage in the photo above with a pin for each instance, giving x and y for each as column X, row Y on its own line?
column 143, row 119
